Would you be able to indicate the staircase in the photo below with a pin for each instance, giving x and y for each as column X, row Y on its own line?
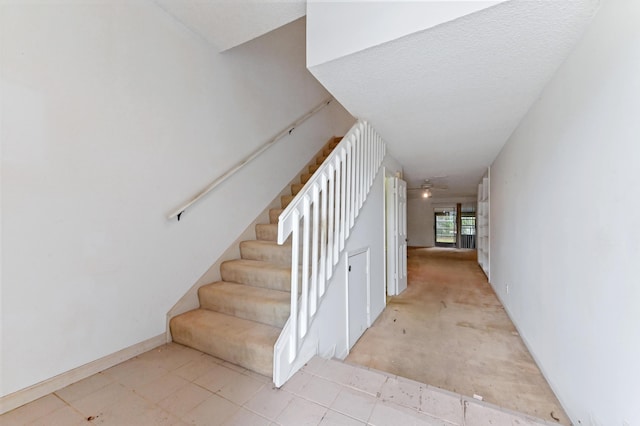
column 241, row 317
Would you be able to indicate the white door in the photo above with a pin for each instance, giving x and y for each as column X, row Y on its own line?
column 358, row 296
column 396, row 207
column 402, row 236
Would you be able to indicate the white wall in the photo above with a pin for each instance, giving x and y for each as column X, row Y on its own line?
column 564, row 206
column 227, row 24
column 336, row 29
column 420, row 211
column 113, row 114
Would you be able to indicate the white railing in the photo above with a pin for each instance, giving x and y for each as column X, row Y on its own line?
column 318, row 222
column 226, row 175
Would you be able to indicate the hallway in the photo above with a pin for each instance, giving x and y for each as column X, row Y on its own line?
column 449, row 330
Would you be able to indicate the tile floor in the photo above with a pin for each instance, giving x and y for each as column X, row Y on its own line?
column 175, row 385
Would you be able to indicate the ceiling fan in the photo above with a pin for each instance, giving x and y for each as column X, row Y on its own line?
column 428, row 185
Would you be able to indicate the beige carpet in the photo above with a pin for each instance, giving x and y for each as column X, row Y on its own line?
column 241, row 316
column 449, row 330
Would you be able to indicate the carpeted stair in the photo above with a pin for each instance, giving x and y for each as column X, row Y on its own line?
column 241, row 317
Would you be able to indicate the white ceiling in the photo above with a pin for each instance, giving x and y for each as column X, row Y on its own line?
column 370, row 23
column 229, row 23
column 446, row 99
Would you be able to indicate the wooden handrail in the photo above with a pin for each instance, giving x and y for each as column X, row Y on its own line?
column 287, row 131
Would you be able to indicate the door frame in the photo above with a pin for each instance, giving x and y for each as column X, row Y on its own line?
column 435, row 231
column 347, row 255
column 396, row 252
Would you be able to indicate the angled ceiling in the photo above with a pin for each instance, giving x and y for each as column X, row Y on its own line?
column 445, row 83
column 343, row 27
column 447, row 98
column 229, row 23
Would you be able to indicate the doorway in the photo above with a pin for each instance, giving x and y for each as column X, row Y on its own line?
column 445, row 227
column 468, row 230
column 396, row 239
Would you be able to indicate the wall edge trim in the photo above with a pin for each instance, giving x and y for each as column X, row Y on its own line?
column 551, row 384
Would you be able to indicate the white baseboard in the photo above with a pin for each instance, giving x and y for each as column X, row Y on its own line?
column 26, row 395
column 551, row 383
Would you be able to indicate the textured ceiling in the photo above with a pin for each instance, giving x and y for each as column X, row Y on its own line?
column 228, row 23
column 446, row 99
column 370, row 23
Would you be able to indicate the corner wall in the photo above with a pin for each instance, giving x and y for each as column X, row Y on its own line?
column 564, row 204
column 113, row 114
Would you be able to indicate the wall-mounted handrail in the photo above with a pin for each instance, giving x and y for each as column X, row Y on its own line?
column 319, row 220
column 287, row 131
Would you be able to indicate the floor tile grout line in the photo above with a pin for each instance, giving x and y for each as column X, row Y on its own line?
column 441, row 391
column 379, row 398
column 444, row 392
column 240, row 406
column 133, row 390
column 52, row 411
column 344, row 380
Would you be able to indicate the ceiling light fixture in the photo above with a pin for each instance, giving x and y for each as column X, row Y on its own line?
column 426, row 193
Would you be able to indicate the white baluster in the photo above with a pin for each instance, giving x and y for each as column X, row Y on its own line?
column 357, row 146
column 315, row 241
column 323, row 237
column 343, row 196
column 349, row 188
column 295, row 250
column 304, row 297
column 362, row 180
column 368, row 163
column 339, row 201
column 331, row 215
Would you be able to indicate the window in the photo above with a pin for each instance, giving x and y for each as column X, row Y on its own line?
column 445, row 228
column 468, row 225
column 468, row 230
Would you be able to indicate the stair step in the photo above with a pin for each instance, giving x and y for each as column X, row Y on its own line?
column 274, row 214
column 257, row 273
column 267, row 251
column 267, row 231
column 241, row 317
column 248, row 344
column 262, row 305
column 296, row 187
column 285, row 200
